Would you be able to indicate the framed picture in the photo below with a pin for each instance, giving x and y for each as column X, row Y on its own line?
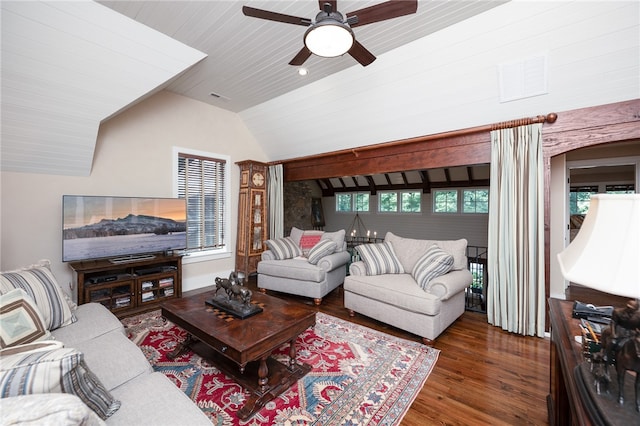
column 317, row 215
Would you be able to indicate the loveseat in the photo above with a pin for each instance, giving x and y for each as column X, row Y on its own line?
column 67, row 364
column 306, row 263
column 415, row 285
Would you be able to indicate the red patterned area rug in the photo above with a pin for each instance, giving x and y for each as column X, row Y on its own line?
column 360, row 376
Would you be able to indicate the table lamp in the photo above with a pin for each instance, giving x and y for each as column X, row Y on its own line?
column 605, row 255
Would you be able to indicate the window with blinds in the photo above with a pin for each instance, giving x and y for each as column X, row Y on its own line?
column 201, row 180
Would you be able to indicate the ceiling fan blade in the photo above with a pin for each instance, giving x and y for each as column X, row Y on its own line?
column 333, row 3
column 361, row 54
column 302, row 56
column 383, row 11
column 274, row 16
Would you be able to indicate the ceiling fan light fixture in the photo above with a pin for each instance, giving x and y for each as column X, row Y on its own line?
column 329, row 38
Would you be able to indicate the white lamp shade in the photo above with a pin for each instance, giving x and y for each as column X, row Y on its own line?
column 605, row 255
column 329, row 40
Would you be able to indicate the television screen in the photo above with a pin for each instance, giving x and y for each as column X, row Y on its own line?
column 97, row 227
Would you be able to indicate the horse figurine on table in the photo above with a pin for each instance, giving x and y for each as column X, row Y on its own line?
column 621, row 346
column 233, row 288
column 222, row 283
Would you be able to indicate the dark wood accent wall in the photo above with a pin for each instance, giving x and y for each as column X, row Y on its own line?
column 573, row 129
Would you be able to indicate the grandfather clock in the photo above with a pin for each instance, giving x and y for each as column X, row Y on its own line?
column 252, row 215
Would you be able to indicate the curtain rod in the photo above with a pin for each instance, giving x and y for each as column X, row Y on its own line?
column 549, row 118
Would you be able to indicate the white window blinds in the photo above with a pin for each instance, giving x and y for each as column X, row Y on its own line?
column 201, row 181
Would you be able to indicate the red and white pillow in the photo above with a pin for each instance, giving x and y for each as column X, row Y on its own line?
column 308, row 240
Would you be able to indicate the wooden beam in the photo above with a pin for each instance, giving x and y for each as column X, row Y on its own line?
column 372, row 185
column 455, row 148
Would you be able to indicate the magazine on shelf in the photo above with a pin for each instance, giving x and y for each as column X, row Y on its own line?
column 165, row 282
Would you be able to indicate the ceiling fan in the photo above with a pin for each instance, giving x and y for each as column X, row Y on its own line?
column 329, row 34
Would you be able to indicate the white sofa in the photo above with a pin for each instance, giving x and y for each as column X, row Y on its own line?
column 87, row 340
column 397, row 299
column 298, row 274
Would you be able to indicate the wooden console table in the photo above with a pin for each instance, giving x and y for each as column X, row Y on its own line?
column 564, row 403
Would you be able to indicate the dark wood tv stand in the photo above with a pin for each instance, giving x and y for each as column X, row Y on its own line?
column 130, row 287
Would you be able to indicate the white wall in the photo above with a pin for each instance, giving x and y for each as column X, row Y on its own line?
column 449, row 80
column 133, row 158
column 558, row 220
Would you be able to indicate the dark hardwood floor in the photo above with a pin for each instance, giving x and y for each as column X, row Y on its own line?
column 483, row 375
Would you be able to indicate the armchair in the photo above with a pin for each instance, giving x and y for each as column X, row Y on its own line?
column 310, row 273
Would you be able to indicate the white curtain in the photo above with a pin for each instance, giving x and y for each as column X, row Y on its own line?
column 515, row 294
column 276, row 202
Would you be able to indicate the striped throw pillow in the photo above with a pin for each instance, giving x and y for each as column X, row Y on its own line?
column 40, row 284
column 55, row 371
column 21, row 320
column 433, row 263
column 320, row 250
column 380, row 259
column 284, row 248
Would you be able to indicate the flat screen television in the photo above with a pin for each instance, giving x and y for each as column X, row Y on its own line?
column 121, row 228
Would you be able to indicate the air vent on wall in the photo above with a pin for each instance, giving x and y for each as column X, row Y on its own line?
column 523, row 78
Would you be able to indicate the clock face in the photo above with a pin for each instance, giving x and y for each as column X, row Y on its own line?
column 258, row 179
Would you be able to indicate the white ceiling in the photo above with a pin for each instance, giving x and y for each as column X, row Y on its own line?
column 247, row 58
column 69, row 65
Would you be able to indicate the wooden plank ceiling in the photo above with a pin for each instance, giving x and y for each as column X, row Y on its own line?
column 424, row 180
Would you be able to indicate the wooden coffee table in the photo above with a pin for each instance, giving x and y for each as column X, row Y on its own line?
column 241, row 348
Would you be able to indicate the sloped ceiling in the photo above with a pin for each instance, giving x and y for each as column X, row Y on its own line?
column 67, row 66
column 450, row 79
column 248, row 58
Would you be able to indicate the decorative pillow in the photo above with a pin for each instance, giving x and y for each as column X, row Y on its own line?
column 42, row 287
column 308, row 240
column 21, row 320
column 60, row 409
column 320, row 250
column 39, row 346
column 296, row 235
column 432, row 264
column 337, row 237
column 284, row 248
column 55, row 371
column 380, row 259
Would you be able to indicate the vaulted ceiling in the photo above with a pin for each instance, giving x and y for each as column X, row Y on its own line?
column 67, row 66
column 247, row 58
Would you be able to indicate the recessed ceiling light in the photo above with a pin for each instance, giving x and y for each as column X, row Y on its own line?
column 303, row 71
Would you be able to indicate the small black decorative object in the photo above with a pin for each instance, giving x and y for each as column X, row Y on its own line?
column 235, row 299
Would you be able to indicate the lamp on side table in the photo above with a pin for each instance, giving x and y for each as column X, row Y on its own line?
column 605, row 255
